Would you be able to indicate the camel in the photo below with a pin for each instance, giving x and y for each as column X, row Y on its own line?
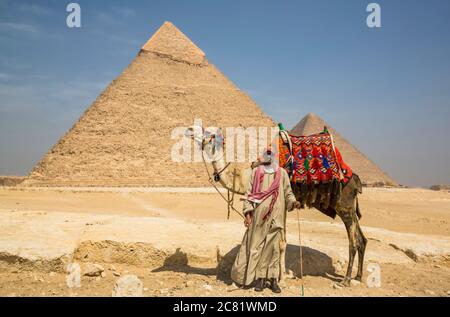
column 236, row 180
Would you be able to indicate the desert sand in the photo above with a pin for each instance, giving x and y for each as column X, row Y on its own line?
column 180, row 243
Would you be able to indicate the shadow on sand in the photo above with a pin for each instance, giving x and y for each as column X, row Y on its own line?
column 315, row 263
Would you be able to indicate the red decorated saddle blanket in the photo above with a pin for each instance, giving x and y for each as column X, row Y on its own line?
column 313, row 159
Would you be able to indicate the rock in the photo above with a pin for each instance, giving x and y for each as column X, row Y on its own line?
column 189, row 283
column 128, row 286
column 52, row 274
column 145, row 289
column 440, row 187
column 290, row 274
column 113, row 268
column 208, row 287
column 93, row 270
column 164, row 291
column 355, row 283
column 339, row 265
column 116, row 273
column 428, row 292
column 337, row 286
column 448, row 293
column 103, row 274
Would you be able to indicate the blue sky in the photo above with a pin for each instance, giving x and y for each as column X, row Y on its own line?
column 386, row 90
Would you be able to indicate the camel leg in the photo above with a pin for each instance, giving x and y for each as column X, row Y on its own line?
column 350, row 225
column 362, row 242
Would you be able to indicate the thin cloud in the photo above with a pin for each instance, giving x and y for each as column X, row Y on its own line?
column 124, row 39
column 115, row 15
column 124, row 12
column 4, row 76
column 33, row 9
column 106, row 18
column 19, row 27
column 19, row 98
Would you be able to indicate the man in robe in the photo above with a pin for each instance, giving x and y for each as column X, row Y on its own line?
column 268, row 199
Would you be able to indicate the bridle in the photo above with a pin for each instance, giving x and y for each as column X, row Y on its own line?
column 216, row 177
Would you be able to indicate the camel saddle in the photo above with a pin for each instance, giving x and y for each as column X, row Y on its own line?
column 315, row 166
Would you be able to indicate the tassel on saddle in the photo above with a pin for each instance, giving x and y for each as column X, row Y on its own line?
column 321, row 195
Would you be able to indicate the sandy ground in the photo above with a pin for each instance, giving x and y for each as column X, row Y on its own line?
column 40, row 230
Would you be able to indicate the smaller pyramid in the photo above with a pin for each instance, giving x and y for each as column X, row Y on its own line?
column 367, row 170
column 169, row 41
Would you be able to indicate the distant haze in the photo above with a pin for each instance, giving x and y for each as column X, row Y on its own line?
column 385, row 90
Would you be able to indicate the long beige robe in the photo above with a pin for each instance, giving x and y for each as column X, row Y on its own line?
column 259, row 254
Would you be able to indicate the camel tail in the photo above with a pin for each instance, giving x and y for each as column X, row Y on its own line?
column 359, row 191
column 358, row 182
column 358, row 211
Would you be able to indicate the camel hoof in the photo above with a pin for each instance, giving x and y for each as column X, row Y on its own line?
column 358, row 278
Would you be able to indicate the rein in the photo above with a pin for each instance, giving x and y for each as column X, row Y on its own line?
column 211, row 181
column 217, row 174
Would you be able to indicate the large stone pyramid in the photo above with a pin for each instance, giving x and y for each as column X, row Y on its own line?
column 124, row 137
column 368, row 171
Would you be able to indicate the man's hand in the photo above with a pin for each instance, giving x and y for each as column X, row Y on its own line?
column 248, row 219
column 297, row 205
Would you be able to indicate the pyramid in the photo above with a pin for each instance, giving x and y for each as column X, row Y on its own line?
column 124, row 137
column 368, row 171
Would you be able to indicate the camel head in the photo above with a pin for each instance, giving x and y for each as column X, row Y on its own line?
column 210, row 140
